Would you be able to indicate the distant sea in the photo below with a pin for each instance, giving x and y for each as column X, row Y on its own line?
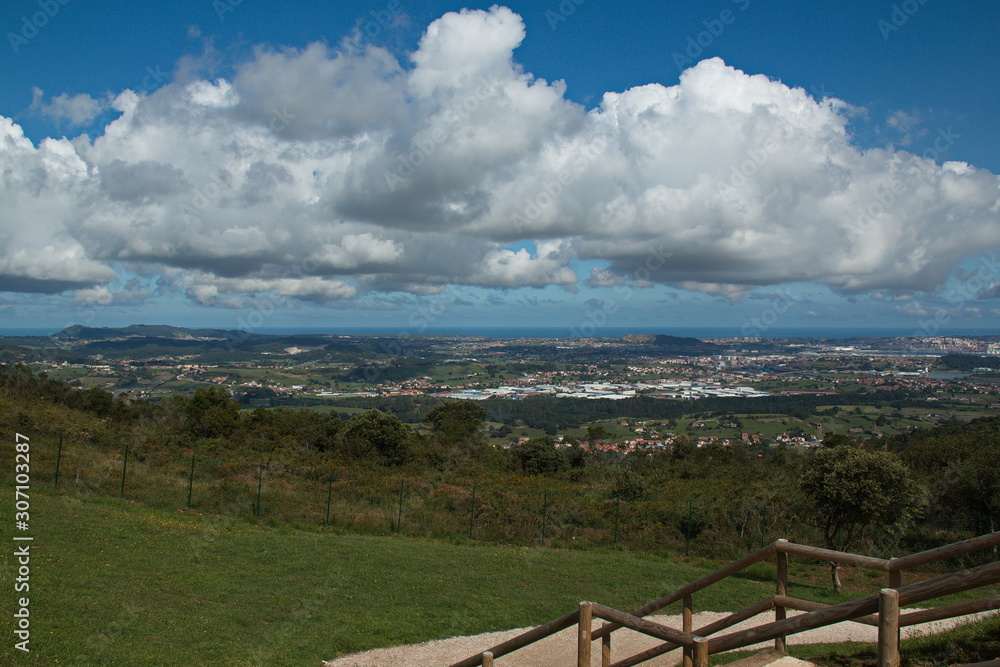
column 618, row 332
column 564, row 332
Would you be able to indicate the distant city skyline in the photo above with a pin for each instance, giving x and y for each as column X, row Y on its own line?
column 417, row 164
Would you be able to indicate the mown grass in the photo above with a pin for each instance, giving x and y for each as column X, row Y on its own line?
column 116, row 583
column 966, row 644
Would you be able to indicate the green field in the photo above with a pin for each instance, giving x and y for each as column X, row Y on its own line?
column 117, row 583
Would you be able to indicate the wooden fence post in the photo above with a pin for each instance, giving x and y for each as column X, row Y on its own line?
column 688, row 625
column 888, row 628
column 606, row 648
column 700, row 652
column 583, row 634
column 487, row 659
column 780, row 588
column 895, row 576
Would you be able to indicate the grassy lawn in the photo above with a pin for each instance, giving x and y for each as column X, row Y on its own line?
column 117, row 583
column 970, row 643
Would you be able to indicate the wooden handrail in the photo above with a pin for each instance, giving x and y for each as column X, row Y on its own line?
column 681, row 593
column 948, row 551
column 815, row 619
column 956, row 582
column 946, row 584
column 703, row 631
column 841, row 557
column 522, row 640
column 861, row 610
column 950, row 611
column 806, row 606
column 642, row 625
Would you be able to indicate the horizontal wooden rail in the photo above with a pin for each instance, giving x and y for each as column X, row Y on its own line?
column 841, row 557
column 790, row 626
column 948, row 551
column 957, row 582
column 950, row 611
column 806, row 606
column 644, row 626
column 946, row 584
column 704, row 631
column 681, row 593
column 522, row 640
column 911, row 618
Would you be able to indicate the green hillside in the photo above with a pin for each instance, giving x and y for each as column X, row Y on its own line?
column 119, row 584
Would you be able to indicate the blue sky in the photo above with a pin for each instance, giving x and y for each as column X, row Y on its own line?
column 401, row 164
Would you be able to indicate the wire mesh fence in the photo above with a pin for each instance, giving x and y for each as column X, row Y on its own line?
column 530, row 511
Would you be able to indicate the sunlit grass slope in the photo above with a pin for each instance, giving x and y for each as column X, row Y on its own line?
column 118, row 583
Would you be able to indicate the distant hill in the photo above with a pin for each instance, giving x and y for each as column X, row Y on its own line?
column 676, row 344
column 968, row 362
column 80, row 332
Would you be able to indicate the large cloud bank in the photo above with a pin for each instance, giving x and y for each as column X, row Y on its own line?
column 320, row 174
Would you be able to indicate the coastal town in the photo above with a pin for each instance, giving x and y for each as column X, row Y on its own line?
column 841, row 382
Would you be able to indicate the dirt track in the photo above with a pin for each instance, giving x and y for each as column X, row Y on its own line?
column 560, row 649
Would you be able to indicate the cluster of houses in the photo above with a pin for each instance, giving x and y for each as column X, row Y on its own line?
column 610, row 390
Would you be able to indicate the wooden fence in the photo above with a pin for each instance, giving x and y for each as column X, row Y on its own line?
column 882, row 610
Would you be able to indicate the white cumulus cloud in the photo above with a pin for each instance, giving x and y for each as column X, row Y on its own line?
column 318, row 174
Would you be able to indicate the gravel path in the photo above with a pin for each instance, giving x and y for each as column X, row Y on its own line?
column 560, row 649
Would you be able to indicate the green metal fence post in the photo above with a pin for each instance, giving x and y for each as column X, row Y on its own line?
column 545, row 511
column 472, row 511
column 618, row 502
column 687, row 549
column 993, row 528
column 260, row 477
column 58, row 459
column 329, row 496
column 190, row 482
column 121, row 493
column 763, row 527
column 399, row 512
